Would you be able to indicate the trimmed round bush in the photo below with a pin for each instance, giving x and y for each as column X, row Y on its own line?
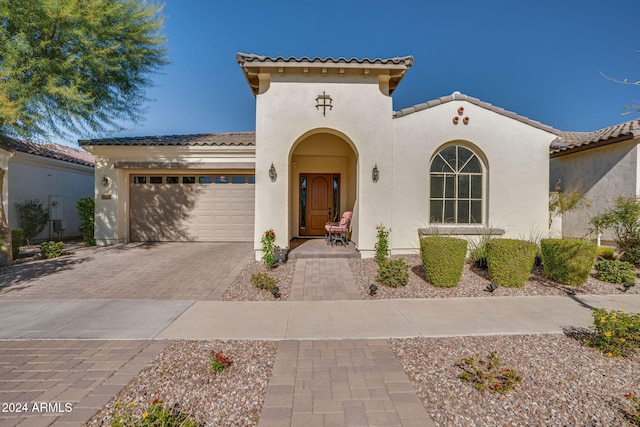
column 510, row 261
column 443, row 259
column 568, row 261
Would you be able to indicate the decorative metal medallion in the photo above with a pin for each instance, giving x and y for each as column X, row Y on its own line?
column 324, row 101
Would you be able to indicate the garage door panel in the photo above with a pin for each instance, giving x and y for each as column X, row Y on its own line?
column 193, row 212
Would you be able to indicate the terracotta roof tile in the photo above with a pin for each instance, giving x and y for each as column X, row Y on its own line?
column 52, row 151
column 568, row 142
column 239, row 139
column 457, row 96
column 243, row 58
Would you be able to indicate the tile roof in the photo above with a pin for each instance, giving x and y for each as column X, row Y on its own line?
column 52, row 151
column 230, row 139
column 244, row 58
column 457, row 96
column 569, row 142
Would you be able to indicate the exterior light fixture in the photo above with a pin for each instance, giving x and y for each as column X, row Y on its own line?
column 105, row 181
column 627, row 286
column 272, row 173
column 491, row 287
column 373, row 289
column 275, row 291
column 375, row 174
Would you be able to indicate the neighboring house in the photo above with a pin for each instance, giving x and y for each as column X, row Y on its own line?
column 601, row 165
column 54, row 174
column 327, row 141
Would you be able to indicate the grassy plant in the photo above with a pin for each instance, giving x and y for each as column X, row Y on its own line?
column 488, row 373
column 263, row 281
column 635, row 401
column 155, row 415
column 393, row 273
column 605, row 252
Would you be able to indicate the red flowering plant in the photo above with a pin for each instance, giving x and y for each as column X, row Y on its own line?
column 268, row 248
column 635, row 401
column 488, row 373
column 218, row 362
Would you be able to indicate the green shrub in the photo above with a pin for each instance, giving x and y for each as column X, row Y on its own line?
column 263, row 281
column 86, row 209
column 510, row 261
column 382, row 244
column 393, row 273
column 16, row 240
column 624, row 220
column 615, row 271
column 51, row 249
column 605, row 252
column 630, row 249
column 443, row 259
column 268, row 248
column 33, row 218
column 568, row 261
column 616, row 333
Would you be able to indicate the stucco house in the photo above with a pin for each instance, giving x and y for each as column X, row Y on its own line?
column 327, row 141
column 54, row 174
column 602, row 165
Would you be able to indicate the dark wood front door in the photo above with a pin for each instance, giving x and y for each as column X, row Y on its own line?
column 319, row 205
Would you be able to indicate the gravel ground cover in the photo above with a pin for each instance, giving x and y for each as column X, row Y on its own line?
column 472, row 284
column 181, row 375
column 563, row 382
column 243, row 290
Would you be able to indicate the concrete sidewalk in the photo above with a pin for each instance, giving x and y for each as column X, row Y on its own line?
column 307, row 320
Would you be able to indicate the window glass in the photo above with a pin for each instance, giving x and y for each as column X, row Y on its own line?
column 222, row 179
column 188, row 179
column 252, row 179
column 139, row 179
column 456, row 186
column 303, row 202
column 205, row 180
column 238, row 179
column 336, row 199
column 155, row 179
column 173, row 180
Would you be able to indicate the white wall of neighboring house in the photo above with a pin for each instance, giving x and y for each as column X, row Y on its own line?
column 37, row 177
column 4, row 164
column 601, row 174
column 515, row 157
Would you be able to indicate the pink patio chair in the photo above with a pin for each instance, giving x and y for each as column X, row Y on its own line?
column 337, row 231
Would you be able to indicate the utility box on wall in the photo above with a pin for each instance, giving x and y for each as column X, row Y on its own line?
column 56, row 208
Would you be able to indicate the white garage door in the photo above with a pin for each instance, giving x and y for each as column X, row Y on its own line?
column 180, row 207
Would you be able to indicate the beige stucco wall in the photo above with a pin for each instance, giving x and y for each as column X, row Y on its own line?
column 112, row 209
column 36, row 177
column 286, row 115
column 601, row 174
column 516, row 163
column 4, row 164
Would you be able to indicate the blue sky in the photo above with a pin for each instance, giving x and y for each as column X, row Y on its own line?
column 539, row 58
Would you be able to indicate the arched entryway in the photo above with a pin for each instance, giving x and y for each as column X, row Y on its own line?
column 323, row 181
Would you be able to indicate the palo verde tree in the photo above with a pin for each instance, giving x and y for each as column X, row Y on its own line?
column 75, row 67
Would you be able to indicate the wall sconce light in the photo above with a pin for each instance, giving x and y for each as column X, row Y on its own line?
column 375, row 174
column 272, row 173
column 105, row 181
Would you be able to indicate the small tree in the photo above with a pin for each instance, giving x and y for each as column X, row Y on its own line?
column 86, row 213
column 33, row 218
column 561, row 202
column 624, row 220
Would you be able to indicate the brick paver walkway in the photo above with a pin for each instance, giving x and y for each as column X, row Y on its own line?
column 340, row 383
column 323, row 279
column 84, row 374
column 172, row 271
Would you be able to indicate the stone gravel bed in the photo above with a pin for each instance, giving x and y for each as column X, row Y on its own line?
column 243, row 290
column 181, row 375
column 563, row 382
column 472, row 284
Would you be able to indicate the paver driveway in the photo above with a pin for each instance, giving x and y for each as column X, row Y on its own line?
column 175, row 271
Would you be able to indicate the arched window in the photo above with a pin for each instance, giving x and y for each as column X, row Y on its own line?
column 456, row 186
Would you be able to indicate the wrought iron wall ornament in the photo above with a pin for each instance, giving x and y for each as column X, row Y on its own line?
column 324, row 101
column 272, row 173
column 375, row 174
